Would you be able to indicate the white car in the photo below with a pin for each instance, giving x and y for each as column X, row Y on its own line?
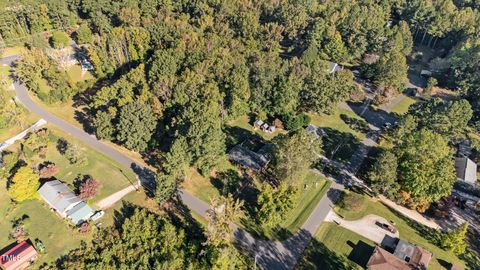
column 98, row 215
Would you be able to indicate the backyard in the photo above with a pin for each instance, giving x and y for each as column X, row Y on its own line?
column 409, row 230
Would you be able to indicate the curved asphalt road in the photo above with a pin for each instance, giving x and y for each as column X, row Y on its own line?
column 268, row 254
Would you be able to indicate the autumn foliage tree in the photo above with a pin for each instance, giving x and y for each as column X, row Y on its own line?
column 49, row 171
column 88, row 188
column 24, row 185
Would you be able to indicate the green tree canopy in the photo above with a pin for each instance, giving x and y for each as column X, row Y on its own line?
column 425, row 166
column 60, row 39
column 383, row 175
column 136, row 125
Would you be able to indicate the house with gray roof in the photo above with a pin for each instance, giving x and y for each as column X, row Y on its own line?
column 333, row 67
column 466, row 170
column 248, row 158
column 62, row 199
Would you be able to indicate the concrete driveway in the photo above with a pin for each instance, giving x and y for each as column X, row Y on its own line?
column 367, row 226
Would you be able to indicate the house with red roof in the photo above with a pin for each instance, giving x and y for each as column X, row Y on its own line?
column 18, row 257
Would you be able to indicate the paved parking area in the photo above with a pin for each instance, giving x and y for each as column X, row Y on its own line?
column 367, row 226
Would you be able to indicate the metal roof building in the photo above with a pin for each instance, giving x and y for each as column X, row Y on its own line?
column 62, row 199
column 466, row 170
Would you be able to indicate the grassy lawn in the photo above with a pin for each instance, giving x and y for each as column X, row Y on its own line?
column 334, row 121
column 334, row 247
column 76, row 73
column 5, row 76
column 111, row 175
column 305, row 203
column 402, row 107
column 409, row 230
column 57, row 236
column 8, row 132
column 243, row 122
column 340, row 140
column 12, row 51
column 309, row 198
column 199, row 186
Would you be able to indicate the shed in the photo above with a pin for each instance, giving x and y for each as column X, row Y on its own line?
column 466, row 170
column 258, row 123
column 18, row 257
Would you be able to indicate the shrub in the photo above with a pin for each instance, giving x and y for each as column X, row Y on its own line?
column 352, row 201
column 292, row 122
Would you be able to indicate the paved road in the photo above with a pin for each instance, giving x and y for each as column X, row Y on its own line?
column 268, row 254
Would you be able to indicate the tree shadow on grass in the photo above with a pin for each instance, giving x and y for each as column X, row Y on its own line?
column 339, row 145
column 360, row 253
column 317, row 256
column 236, row 135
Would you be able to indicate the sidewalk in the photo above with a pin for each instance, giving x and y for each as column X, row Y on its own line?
column 22, row 134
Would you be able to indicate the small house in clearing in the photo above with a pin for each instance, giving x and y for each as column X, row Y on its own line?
column 248, row 158
column 62, row 199
column 333, row 67
column 18, row 257
column 466, row 170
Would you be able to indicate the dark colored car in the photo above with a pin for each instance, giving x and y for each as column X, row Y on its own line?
column 388, row 227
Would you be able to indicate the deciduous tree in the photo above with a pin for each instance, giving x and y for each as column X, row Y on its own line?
column 425, row 166
column 24, row 185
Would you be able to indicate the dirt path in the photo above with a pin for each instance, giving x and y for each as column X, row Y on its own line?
column 410, row 213
column 368, row 227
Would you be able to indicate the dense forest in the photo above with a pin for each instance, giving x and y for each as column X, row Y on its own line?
column 169, row 76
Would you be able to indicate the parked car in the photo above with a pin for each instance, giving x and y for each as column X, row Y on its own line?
column 388, row 227
column 98, row 215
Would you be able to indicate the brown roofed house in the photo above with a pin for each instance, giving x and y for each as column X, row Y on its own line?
column 384, row 260
column 405, row 257
column 18, row 257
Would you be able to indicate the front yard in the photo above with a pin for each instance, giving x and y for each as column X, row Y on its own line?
column 57, row 234
column 409, row 230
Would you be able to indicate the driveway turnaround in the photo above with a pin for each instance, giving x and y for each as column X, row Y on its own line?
column 369, row 226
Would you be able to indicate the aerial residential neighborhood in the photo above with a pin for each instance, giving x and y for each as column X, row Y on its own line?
column 273, row 135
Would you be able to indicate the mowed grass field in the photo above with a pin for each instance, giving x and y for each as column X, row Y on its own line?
column 402, row 107
column 336, row 248
column 334, row 121
column 409, row 230
column 112, row 176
